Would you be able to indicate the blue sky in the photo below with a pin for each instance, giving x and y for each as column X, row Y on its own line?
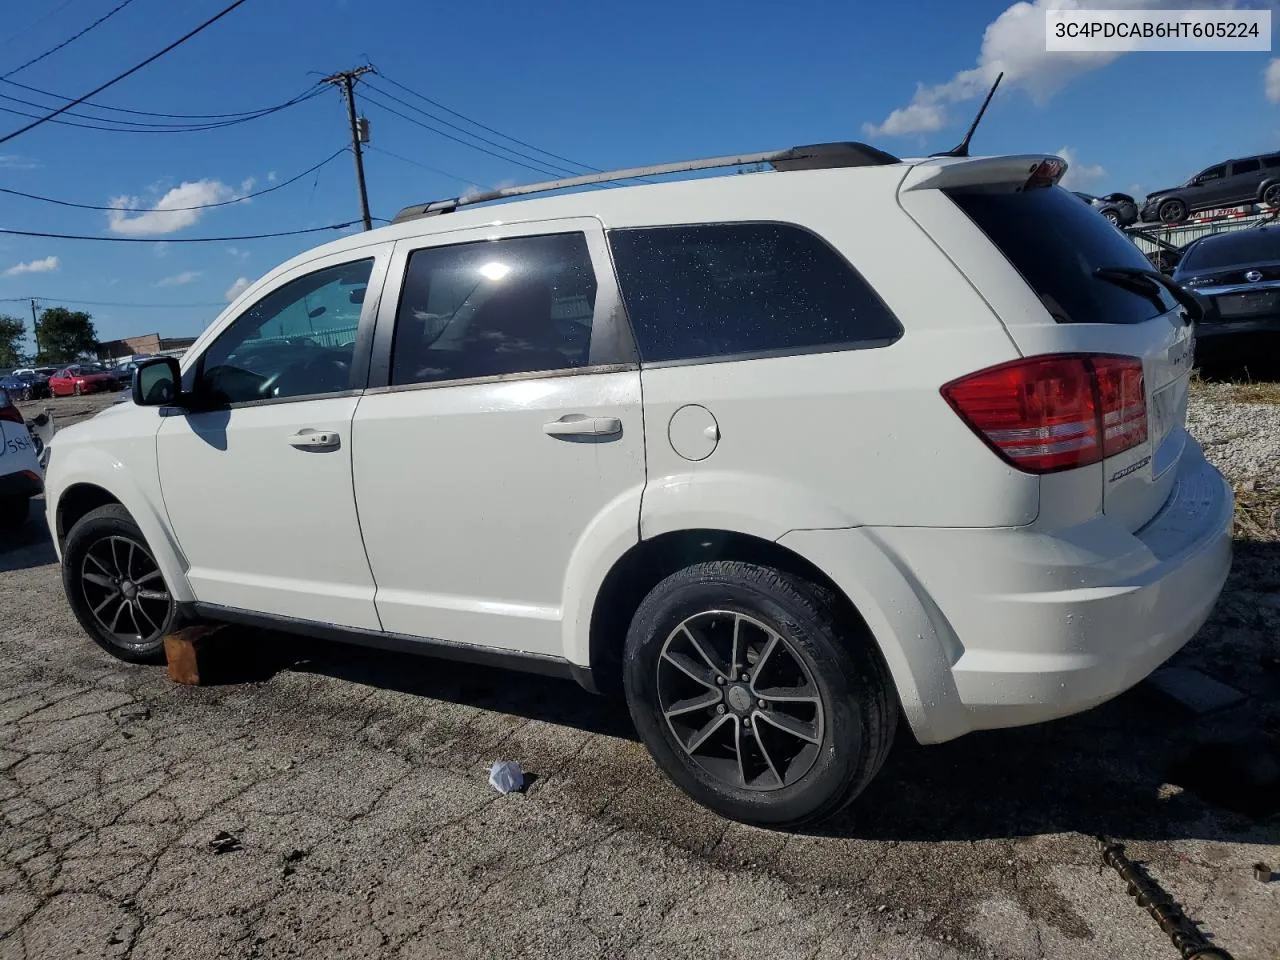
column 603, row 84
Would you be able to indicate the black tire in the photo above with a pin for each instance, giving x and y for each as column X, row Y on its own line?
column 859, row 714
column 1271, row 195
column 112, row 525
column 14, row 512
column 1173, row 211
column 1113, row 216
column 26, row 393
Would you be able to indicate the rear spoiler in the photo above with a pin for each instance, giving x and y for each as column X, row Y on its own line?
column 1016, row 172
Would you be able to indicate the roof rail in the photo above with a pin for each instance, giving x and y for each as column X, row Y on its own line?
column 813, row 156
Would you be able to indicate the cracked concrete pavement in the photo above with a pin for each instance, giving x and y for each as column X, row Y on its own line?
column 356, row 784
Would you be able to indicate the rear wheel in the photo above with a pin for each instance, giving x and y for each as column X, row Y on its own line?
column 1113, row 216
column 115, row 586
column 14, row 511
column 1271, row 195
column 755, row 695
column 1173, row 211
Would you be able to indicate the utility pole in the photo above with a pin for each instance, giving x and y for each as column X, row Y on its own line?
column 35, row 330
column 359, row 130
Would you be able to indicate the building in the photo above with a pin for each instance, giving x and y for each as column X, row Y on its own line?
column 150, row 344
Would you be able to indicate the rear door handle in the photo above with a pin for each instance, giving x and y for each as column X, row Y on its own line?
column 309, row 439
column 577, row 425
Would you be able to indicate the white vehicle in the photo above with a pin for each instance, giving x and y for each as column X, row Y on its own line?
column 21, row 477
column 780, row 457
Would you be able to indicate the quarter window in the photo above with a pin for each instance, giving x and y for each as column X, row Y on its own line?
column 521, row 305
column 298, row 340
column 726, row 290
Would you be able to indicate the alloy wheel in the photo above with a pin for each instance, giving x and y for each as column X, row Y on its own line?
column 740, row 701
column 124, row 590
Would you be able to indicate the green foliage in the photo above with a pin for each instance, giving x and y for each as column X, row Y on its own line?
column 12, row 332
column 65, row 334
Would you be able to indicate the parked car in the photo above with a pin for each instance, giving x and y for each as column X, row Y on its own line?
column 26, row 385
column 1240, row 275
column 82, row 378
column 705, row 445
column 1120, row 208
column 1247, row 180
column 21, row 476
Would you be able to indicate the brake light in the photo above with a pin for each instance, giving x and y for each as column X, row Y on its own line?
column 1045, row 173
column 1056, row 412
column 8, row 411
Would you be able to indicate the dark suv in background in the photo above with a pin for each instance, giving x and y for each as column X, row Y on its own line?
column 1247, row 180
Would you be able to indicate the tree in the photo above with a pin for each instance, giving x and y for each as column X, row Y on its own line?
column 12, row 333
column 65, row 334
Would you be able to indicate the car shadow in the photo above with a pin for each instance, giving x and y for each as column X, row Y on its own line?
column 1142, row 767
column 28, row 546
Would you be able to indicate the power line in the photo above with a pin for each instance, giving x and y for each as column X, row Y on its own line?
column 71, row 39
column 54, row 12
column 110, row 303
column 113, row 125
column 505, row 136
column 251, row 236
column 465, row 132
column 305, row 95
column 448, row 136
column 416, row 163
column 132, row 70
column 199, row 206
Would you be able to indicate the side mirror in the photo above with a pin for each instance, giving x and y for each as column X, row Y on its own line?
column 156, row 383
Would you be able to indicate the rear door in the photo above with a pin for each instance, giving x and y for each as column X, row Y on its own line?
column 1039, row 270
column 502, row 430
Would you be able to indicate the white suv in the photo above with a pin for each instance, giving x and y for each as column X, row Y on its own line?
column 781, row 456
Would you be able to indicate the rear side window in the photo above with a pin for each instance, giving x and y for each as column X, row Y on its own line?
column 495, row 307
column 1271, row 162
column 735, row 289
column 1057, row 244
column 1245, row 166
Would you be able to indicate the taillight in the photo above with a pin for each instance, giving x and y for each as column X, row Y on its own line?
column 8, row 411
column 1055, row 412
column 1045, row 173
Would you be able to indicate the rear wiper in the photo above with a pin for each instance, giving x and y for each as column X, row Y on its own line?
column 1151, row 282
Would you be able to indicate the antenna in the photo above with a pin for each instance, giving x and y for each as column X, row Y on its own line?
column 962, row 148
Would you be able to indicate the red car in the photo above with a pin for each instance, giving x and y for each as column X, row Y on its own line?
column 78, row 379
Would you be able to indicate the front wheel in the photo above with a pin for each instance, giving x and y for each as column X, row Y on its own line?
column 1113, row 216
column 14, row 512
column 1172, row 211
column 755, row 695
column 115, row 587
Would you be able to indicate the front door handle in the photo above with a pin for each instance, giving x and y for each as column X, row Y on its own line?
column 577, row 425
column 309, row 439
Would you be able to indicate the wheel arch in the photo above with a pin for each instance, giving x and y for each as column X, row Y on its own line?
column 1266, row 185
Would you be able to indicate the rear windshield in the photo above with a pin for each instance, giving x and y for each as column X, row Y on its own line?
column 1057, row 243
column 1233, row 249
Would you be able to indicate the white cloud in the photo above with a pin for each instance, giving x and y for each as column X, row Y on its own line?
column 1079, row 174
column 1272, row 80
column 160, row 248
column 33, row 266
column 167, row 215
column 15, row 161
column 238, row 254
column 237, row 288
column 1015, row 43
column 179, row 279
column 271, row 176
column 247, row 184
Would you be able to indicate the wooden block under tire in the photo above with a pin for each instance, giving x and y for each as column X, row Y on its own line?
column 186, row 651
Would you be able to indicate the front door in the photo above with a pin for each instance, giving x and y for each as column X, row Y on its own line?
column 256, row 475
column 509, row 431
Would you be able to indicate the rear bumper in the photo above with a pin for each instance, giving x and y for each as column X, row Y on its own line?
column 21, row 484
column 1244, row 326
column 1026, row 626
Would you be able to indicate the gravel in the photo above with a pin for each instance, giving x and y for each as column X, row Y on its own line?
column 1240, row 439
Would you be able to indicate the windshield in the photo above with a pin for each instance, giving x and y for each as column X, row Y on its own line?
column 1058, row 244
column 1261, row 244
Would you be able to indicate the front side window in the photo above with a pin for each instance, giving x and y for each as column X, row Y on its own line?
column 297, row 341
column 1213, row 173
column 733, row 289
column 493, row 307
